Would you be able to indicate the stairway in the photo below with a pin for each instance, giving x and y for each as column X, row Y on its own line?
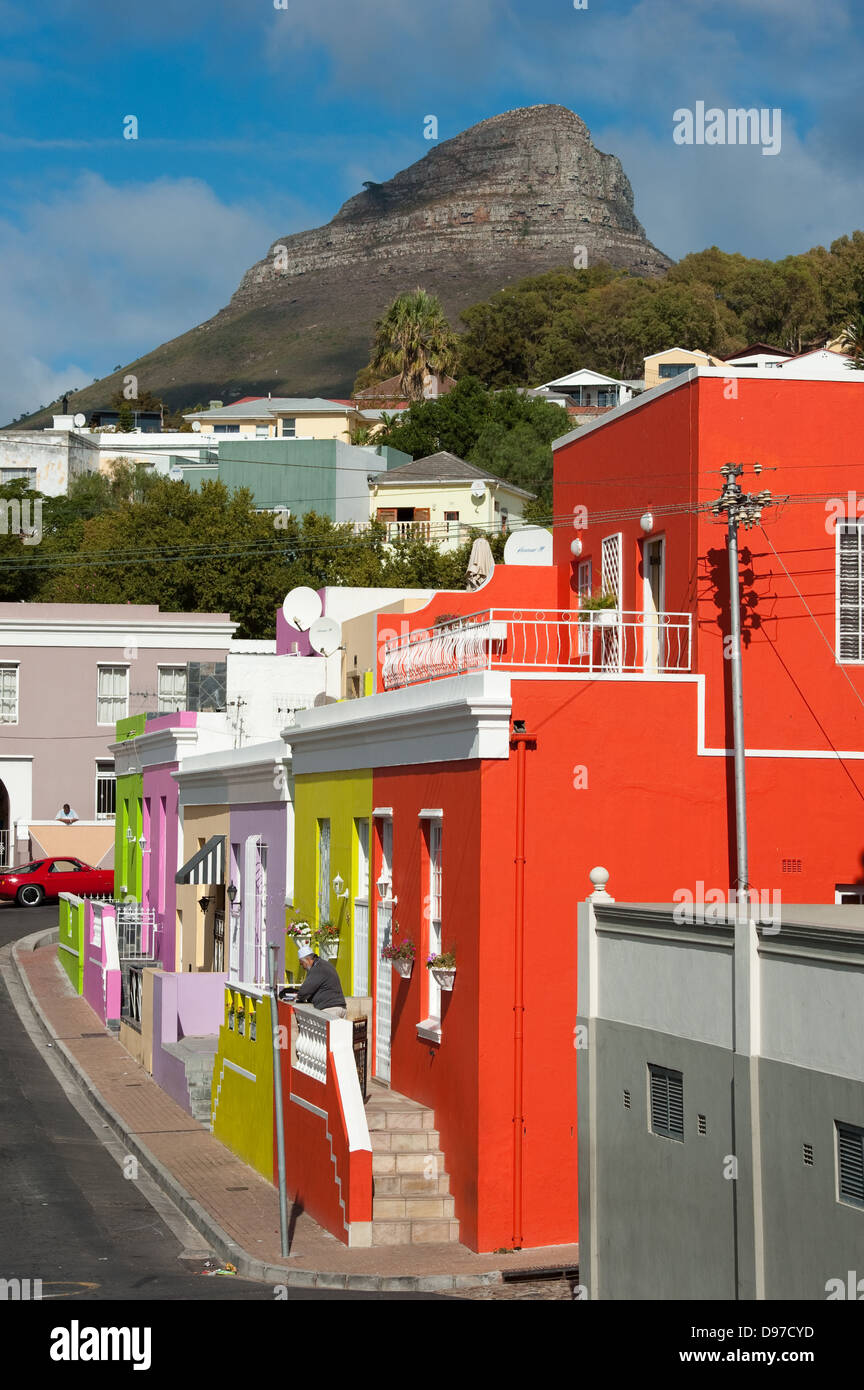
column 411, row 1202
column 197, row 1055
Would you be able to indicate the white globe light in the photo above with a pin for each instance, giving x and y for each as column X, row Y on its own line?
column 576, row 547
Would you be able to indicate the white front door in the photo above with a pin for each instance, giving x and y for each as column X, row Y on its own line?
column 382, row 994
column 383, row 968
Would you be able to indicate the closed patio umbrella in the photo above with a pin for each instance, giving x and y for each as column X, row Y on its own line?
column 480, row 563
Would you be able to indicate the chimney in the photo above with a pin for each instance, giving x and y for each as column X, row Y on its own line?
column 215, row 405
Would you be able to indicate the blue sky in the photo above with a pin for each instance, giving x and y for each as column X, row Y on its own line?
column 254, row 122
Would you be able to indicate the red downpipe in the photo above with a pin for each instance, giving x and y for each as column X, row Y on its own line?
column 520, row 740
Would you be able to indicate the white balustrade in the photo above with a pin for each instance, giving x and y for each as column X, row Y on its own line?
column 312, row 1042
column 597, row 642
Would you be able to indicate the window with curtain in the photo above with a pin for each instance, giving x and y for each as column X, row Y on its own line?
column 112, row 701
column 9, row 694
column 172, row 689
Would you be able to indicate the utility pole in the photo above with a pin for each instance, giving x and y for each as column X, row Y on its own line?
column 741, row 509
column 744, row 509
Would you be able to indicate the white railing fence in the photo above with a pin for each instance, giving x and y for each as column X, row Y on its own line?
column 311, row 1042
column 598, row 642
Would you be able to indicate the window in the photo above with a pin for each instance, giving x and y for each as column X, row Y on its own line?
column 849, row 596
column 11, row 475
column 172, row 689
column 106, row 792
column 113, row 694
column 672, row 369
column 226, row 429
column 850, row 1164
column 435, row 905
column 262, row 431
column 323, row 871
column 609, row 397
column 666, row 1096
column 849, row 892
column 8, row 694
column 454, row 516
column 289, row 429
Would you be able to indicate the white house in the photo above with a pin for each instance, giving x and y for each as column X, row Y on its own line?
column 591, row 388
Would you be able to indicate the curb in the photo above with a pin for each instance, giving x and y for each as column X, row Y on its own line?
column 246, row 1265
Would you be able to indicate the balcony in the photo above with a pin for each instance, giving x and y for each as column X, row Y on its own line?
column 596, row 643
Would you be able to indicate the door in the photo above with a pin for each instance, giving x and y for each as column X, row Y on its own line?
column 360, row 953
column 219, row 942
column 653, row 585
column 384, row 970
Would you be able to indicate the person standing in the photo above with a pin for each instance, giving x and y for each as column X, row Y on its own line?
column 322, row 987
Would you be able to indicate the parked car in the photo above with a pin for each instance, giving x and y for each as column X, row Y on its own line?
column 43, row 879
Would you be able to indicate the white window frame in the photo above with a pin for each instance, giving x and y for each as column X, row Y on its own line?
column 105, row 777
column 291, row 422
column 842, row 526
column 170, row 706
column 112, row 666
column 12, row 667
column 434, row 844
column 855, row 891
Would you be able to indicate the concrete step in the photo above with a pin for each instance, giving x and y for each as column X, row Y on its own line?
column 410, row 1185
column 414, row 1232
column 418, row 1208
column 381, row 1117
column 418, row 1164
column 404, row 1140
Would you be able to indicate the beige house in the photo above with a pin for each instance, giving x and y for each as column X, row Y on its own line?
column 279, row 417
column 443, row 498
column 671, row 362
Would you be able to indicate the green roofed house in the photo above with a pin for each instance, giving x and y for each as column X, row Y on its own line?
column 301, row 475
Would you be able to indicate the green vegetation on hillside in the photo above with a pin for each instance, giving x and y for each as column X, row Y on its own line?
column 609, row 321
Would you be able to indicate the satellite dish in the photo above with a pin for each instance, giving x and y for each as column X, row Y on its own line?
column 325, row 636
column 478, row 490
column 196, row 425
column 530, row 545
column 79, row 420
column 301, row 607
column 176, row 475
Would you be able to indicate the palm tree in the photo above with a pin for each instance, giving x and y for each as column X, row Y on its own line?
column 414, row 339
column 852, row 341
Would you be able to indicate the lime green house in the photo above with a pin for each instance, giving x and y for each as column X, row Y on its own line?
column 332, row 813
column 128, row 858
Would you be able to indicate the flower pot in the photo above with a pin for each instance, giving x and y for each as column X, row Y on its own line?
column 444, row 976
column 607, row 617
column 329, row 950
column 403, row 968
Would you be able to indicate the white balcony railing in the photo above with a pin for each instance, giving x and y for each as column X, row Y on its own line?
column 596, row 642
column 311, row 1042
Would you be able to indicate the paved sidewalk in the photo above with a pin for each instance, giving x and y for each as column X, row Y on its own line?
column 229, row 1203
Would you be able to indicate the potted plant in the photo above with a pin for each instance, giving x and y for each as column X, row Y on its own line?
column 298, row 930
column 401, row 957
column 604, row 605
column 443, row 967
column 326, row 939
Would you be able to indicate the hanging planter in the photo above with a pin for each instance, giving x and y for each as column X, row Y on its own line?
column 401, row 957
column 326, row 941
column 299, row 931
column 443, row 967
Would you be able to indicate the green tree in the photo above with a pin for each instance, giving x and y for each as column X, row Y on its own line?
column 413, row 339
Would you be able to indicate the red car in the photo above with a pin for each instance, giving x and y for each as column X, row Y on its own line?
column 43, row 879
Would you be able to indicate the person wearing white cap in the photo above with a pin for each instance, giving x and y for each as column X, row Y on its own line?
column 322, row 987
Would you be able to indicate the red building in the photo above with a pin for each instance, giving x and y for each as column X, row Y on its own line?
column 515, row 748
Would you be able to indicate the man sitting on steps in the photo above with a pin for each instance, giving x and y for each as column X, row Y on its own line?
column 322, row 987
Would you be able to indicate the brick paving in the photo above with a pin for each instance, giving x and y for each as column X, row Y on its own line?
column 233, row 1195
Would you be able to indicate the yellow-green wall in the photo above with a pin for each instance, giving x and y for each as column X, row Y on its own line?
column 341, row 797
column 70, row 947
column 241, row 1103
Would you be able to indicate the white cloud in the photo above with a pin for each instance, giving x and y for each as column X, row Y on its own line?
column 101, row 274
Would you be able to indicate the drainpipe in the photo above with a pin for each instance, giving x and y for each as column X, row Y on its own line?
column 519, row 740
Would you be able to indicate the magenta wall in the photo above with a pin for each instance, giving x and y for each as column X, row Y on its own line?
column 160, row 858
column 101, row 987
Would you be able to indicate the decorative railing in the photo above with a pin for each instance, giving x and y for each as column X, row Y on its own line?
column 134, row 993
column 311, row 1054
column 597, row 642
column 241, row 1011
column 135, row 928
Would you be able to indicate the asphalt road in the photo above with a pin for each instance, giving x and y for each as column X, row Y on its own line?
column 67, row 1214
